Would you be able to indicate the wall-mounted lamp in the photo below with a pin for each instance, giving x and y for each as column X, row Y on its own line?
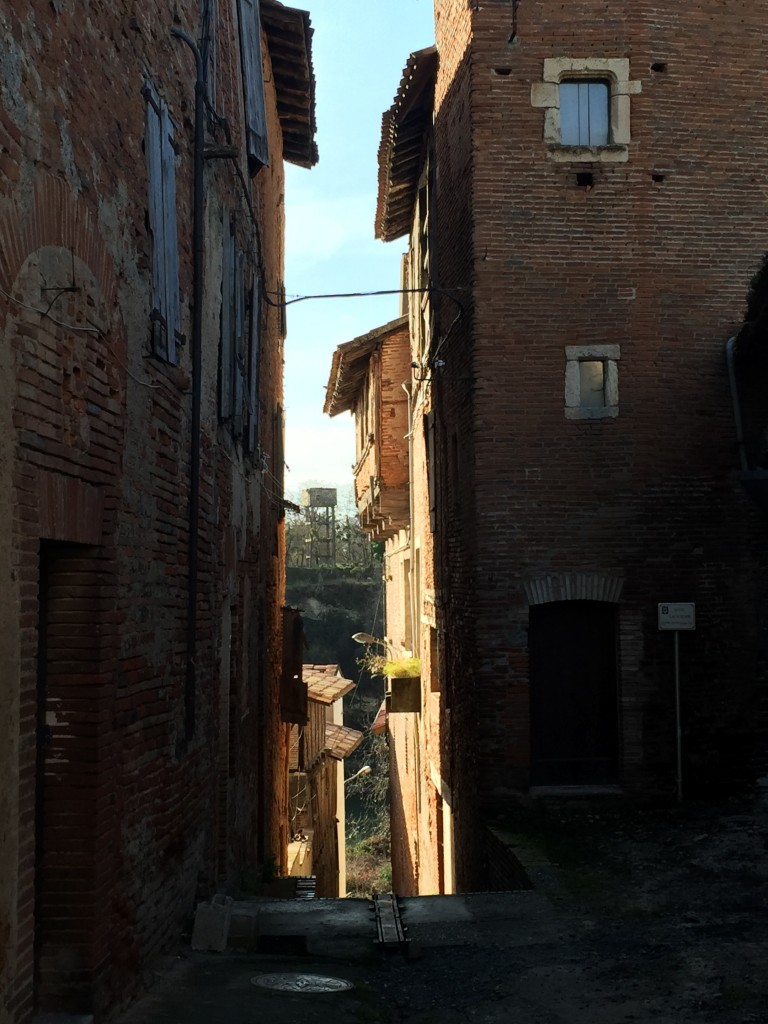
column 365, row 770
column 366, row 638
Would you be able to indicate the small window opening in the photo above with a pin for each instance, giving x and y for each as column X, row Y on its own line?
column 585, row 179
column 592, row 383
column 657, row 177
column 584, row 112
column 502, row 71
column 659, row 67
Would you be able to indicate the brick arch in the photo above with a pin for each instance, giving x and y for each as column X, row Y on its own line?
column 574, row 586
column 56, row 218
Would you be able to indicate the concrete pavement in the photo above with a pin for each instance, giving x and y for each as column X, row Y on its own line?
column 635, row 918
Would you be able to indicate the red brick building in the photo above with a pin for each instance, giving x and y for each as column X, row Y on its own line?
column 143, row 755
column 584, row 201
column 371, row 377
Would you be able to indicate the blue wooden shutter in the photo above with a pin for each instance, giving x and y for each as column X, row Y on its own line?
column 253, row 367
column 170, row 236
column 226, row 352
column 278, row 467
column 239, row 346
column 153, row 146
column 429, row 431
column 161, row 168
column 253, row 84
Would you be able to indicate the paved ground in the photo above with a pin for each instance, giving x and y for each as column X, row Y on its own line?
column 636, row 916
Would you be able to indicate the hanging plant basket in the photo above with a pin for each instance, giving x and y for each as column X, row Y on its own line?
column 404, row 676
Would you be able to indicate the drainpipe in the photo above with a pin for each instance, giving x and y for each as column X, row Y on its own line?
column 190, row 684
column 729, row 358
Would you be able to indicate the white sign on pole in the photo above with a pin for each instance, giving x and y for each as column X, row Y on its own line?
column 677, row 615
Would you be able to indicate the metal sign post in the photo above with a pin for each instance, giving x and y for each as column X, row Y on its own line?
column 677, row 616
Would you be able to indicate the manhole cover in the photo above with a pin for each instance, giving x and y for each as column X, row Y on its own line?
column 301, row 982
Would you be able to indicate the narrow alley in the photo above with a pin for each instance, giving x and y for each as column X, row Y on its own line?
column 645, row 918
column 383, row 537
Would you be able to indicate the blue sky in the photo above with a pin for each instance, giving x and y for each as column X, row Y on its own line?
column 360, row 49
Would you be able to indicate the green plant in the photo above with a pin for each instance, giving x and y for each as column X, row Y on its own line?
column 369, row 869
column 372, row 661
column 403, row 668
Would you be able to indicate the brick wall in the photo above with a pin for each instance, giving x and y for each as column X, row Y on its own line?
column 136, row 819
column 451, row 399
column 655, row 256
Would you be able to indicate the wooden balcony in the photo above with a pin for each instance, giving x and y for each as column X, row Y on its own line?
column 367, row 378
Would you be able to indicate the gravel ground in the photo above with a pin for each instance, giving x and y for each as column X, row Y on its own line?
column 656, row 915
column 635, row 915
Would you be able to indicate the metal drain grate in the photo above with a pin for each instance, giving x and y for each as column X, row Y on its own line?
column 390, row 932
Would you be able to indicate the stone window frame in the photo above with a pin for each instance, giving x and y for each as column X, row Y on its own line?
column 546, row 95
column 609, row 355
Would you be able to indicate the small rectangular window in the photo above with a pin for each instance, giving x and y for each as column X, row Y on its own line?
column 584, row 112
column 592, row 383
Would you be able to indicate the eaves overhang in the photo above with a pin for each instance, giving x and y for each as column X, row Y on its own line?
column 350, row 366
column 403, row 128
column 341, row 741
column 289, row 36
column 325, row 683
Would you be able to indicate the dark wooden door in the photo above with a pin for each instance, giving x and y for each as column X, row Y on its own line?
column 573, row 681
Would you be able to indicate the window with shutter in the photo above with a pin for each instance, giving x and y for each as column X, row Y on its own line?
column 234, row 368
column 429, row 437
column 586, row 104
column 161, row 168
column 585, row 112
column 253, row 368
column 278, row 467
column 239, row 347
column 227, row 347
column 253, row 84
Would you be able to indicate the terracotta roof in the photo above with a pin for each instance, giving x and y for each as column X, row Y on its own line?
column 401, row 151
column 289, row 35
column 325, row 683
column 379, row 724
column 341, row 741
column 350, row 366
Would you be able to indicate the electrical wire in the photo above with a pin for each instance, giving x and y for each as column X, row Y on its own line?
column 91, row 330
column 448, row 292
column 47, row 316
